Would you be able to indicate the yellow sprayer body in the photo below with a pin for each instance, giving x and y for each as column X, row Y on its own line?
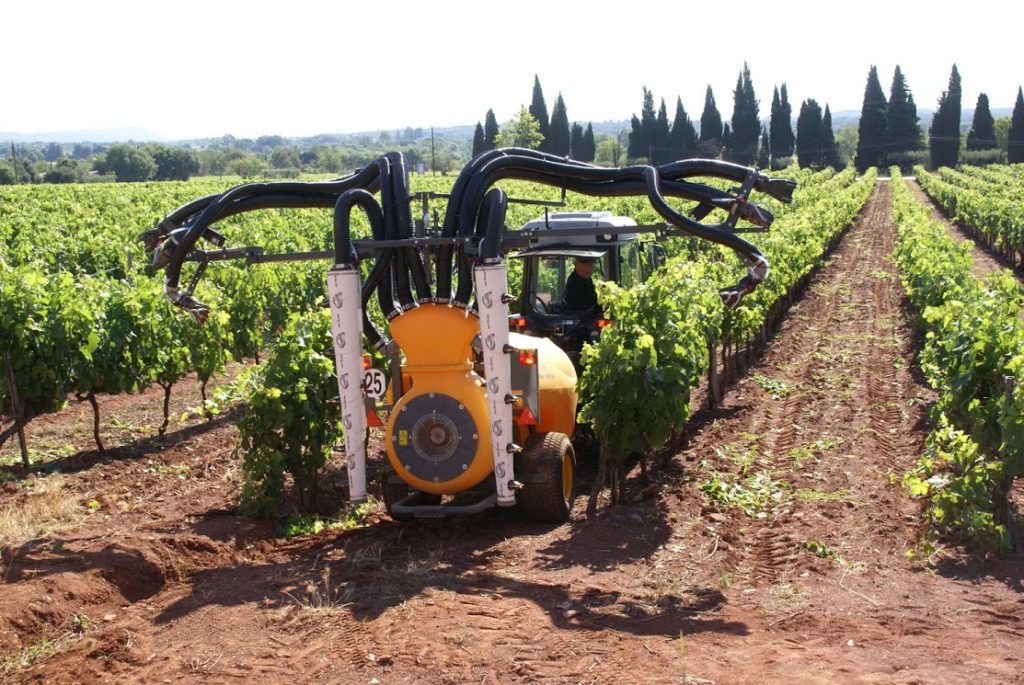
column 438, row 435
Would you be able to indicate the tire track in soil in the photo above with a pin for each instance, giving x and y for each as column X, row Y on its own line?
column 845, row 352
column 836, row 360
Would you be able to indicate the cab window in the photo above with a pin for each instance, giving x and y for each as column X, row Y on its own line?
column 551, row 274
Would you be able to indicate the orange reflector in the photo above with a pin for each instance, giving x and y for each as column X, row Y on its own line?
column 528, row 357
column 372, row 420
column 603, row 323
column 367, row 361
column 526, row 417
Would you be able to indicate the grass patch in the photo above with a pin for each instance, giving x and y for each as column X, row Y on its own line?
column 755, row 496
column 820, row 550
column 46, row 646
column 743, row 457
column 305, row 524
column 812, row 495
column 774, row 387
column 810, row 450
column 42, row 511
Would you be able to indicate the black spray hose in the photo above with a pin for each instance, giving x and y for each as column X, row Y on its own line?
column 413, row 256
column 514, row 166
column 187, row 213
column 399, row 270
column 510, row 168
column 402, row 226
column 219, row 207
column 449, row 228
column 344, row 251
column 489, row 227
column 491, row 224
column 779, row 188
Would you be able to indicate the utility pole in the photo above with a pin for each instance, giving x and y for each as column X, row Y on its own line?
column 14, row 163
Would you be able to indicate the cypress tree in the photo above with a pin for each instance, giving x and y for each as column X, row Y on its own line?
column 782, row 136
column 764, row 153
column 649, row 124
column 871, row 129
column 662, row 151
column 774, row 123
column 683, row 138
column 944, row 135
column 589, row 146
column 490, row 130
column 1015, row 143
column 710, row 127
column 478, row 139
column 808, row 134
column 746, row 127
column 902, row 133
column 576, row 141
column 982, row 135
column 726, row 142
column 637, row 140
column 829, row 151
column 558, row 130
column 539, row 110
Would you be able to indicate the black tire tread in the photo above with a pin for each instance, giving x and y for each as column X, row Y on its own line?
column 541, row 465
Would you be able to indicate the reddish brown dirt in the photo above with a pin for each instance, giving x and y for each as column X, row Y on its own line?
column 170, row 586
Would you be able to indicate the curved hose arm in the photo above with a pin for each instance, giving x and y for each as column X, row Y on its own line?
column 189, row 303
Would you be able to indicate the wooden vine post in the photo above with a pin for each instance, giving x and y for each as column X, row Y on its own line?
column 18, row 410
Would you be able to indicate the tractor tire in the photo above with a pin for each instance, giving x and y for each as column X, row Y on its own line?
column 547, row 469
column 393, row 490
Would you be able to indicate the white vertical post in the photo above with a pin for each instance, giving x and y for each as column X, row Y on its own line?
column 491, row 285
column 345, row 296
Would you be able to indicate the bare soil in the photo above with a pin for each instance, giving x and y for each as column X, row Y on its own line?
column 158, row 580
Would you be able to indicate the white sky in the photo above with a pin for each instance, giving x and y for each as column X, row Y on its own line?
column 195, row 69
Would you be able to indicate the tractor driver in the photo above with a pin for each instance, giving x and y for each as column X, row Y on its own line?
column 580, row 293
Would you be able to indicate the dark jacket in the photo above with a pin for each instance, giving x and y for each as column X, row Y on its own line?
column 580, row 292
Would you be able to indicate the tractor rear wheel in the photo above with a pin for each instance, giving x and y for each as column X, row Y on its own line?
column 547, row 469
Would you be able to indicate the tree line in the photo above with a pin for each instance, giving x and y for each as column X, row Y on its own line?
column 888, row 133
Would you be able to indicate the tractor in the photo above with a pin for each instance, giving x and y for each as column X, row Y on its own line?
column 548, row 306
column 475, row 415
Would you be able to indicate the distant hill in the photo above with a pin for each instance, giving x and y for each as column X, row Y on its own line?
column 840, row 119
column 86, row 135
column 851, row 117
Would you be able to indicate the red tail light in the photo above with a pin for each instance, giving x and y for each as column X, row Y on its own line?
column 367, row 362
column 527, row 357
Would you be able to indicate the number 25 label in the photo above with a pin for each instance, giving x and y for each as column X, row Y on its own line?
column 374, row 382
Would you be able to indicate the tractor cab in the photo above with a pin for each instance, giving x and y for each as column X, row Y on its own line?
column 570, row 247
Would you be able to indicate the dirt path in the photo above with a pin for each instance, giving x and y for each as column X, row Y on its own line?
column 162, row 584
column 985, row 260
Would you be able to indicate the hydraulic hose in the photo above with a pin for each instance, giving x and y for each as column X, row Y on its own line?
column 491, row 224
column 214, row 208
column 400, row 196
column 634, row 180
column 345, row 253
column 449, row 227
column 510, row 168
